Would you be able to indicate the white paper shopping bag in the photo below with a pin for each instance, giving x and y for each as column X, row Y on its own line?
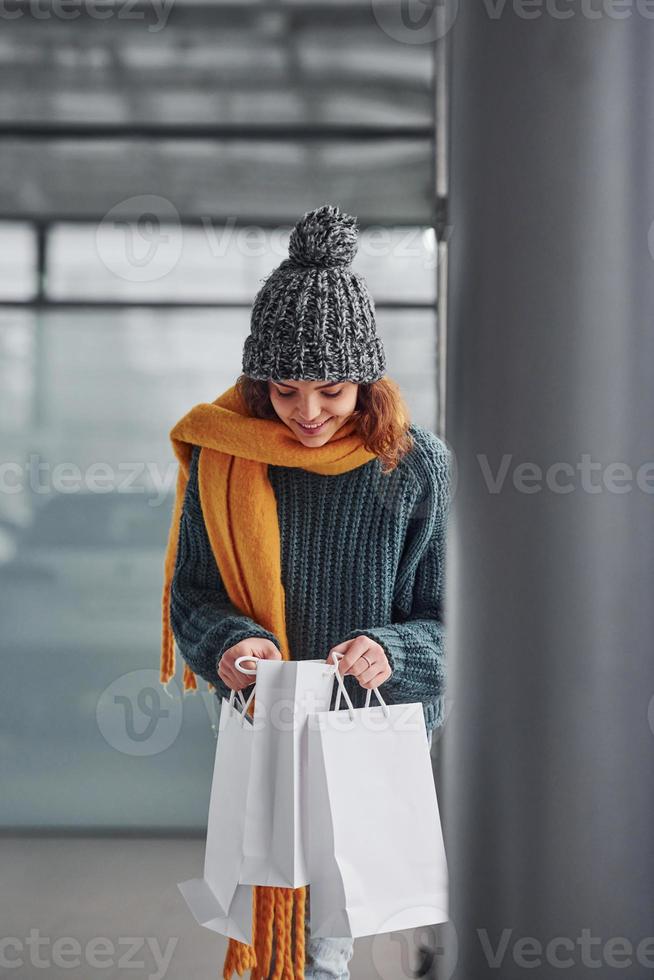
column 376, row 853
column 274, row 841
column 217, row 900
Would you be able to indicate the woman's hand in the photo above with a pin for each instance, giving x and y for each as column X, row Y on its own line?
column 365, row 659
column 256, row 648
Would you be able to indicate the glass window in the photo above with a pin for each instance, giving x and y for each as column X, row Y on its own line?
column 146, row 259
column 81, row 551
column 17, row 261
column 387, row 180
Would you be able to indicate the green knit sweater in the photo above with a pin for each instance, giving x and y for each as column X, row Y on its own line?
column 361, row 553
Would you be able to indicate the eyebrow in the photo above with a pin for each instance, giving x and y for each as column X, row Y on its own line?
column 330, row 384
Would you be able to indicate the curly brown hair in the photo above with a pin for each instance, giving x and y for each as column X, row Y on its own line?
column 381, row 416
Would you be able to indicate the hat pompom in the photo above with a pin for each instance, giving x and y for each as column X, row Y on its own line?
column 325, row 238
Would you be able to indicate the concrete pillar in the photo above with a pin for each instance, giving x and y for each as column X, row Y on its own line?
column 548, row 780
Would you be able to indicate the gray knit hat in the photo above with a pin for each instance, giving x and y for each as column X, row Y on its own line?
column 314, row 319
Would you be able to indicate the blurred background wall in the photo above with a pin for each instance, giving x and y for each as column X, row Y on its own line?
column 154, row 159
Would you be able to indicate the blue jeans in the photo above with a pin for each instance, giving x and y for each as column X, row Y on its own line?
column 327, row 959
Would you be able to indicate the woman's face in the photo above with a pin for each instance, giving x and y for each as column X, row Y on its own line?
column 327, row 403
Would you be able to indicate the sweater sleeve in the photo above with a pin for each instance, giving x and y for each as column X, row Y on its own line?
column 204, row 621
column 415, row 644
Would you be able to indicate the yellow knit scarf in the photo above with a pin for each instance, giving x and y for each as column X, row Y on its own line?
column 240, row 512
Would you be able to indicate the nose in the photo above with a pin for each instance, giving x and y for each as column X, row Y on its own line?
column 310, row 410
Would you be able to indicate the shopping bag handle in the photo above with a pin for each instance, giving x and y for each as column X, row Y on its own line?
column 245, row 670
column 245, row 703
column 232, row 693
column 341, row 689
column 341, row 686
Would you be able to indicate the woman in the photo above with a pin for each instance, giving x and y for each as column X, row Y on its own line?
column 310, row 517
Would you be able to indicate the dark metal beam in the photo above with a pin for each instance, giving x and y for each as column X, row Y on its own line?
column 124, row 304
column 216, row 220
column 25, row 129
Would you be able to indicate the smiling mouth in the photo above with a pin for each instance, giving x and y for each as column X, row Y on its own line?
column 311, row 430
